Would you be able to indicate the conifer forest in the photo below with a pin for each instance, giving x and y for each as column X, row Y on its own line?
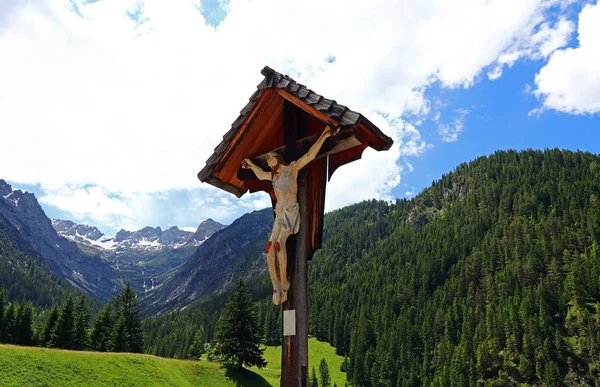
column 489, row 277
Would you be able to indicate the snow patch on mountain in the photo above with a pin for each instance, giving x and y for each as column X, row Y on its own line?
column 147, row 238
column 13, row 200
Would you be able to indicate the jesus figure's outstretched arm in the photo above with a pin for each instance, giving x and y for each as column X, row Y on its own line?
column 258, row 171
column 316, row 147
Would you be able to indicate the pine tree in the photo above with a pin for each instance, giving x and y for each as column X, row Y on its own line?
column 237, row 332
column 63, row 332
column 23, row 326
column 102, row 329
column 9, row 323
column 324, row 371
column 313, row 379
column 2, row 321
column 49, row 326
column 127, row 304
column 119, row 338
column 82, row 322
column 197, row 348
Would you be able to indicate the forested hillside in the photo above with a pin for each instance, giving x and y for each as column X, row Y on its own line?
column 24, row 274
column 233, row 252
column 490, row 276
column 22, row 211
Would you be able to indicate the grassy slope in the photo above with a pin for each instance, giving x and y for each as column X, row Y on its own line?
column 30, row 366
column 27, row 366
column 317, row 350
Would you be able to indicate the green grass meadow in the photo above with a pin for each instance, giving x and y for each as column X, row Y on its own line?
column 32, row 366
column 317, row 350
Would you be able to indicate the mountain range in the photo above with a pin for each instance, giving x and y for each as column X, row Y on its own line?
column 234, row 252
column 490, row 276
column 96, row 263
column 88, row 272
column 147, row 238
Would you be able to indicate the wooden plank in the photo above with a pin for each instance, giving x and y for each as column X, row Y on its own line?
column 229, row 164
column 294, row 349
column 255, row 185
column 261, row 137
column 307, row 108
column 345, row 157
column 374, row 139
column 226, row 187
column 248, row 122
column 317, row 176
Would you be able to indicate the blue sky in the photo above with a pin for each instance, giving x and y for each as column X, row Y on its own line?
column 498, row 119
column 112, row 132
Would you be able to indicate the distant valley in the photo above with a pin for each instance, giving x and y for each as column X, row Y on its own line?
column 96, row 263
column 147, row 256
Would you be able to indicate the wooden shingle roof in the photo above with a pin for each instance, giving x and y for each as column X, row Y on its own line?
column 274, row 89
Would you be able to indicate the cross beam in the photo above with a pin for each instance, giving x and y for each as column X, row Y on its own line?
column 344, row 140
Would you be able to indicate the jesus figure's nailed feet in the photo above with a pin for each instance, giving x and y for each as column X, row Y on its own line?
column 276, row 296
column 284, row 295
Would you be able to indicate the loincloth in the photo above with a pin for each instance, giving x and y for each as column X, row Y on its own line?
column 289, row 217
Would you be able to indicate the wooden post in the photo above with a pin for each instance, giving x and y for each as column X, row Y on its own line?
column 294, row 348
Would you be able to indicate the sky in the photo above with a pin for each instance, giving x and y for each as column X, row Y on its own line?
column 108, row 109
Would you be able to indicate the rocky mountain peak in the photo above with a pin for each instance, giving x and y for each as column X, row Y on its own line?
column 205, row 230
column 23, row 212
column 25, row 201
column 5, row 188
column 76, row 232
column 174, row 236
column 122, row 235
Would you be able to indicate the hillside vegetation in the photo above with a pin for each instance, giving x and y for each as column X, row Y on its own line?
column 29, row 366
column 489, row 277
column 25, row 275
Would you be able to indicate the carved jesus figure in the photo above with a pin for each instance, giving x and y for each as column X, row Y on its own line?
column 287, row 217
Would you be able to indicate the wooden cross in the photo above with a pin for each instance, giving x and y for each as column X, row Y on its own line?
column 285, row 117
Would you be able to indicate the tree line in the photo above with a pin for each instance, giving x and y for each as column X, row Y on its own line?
column 489, row 277
column 116, row 328
column 25, row 275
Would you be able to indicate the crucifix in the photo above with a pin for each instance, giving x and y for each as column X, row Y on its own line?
column 288, row 141
column 287, row 216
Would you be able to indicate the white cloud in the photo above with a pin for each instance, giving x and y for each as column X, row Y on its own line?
column 376, row 173
column 91, row 203
column 450, row 132
column 537, row 40
column 131, row 211
column 570, row 82
column 137, row 108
